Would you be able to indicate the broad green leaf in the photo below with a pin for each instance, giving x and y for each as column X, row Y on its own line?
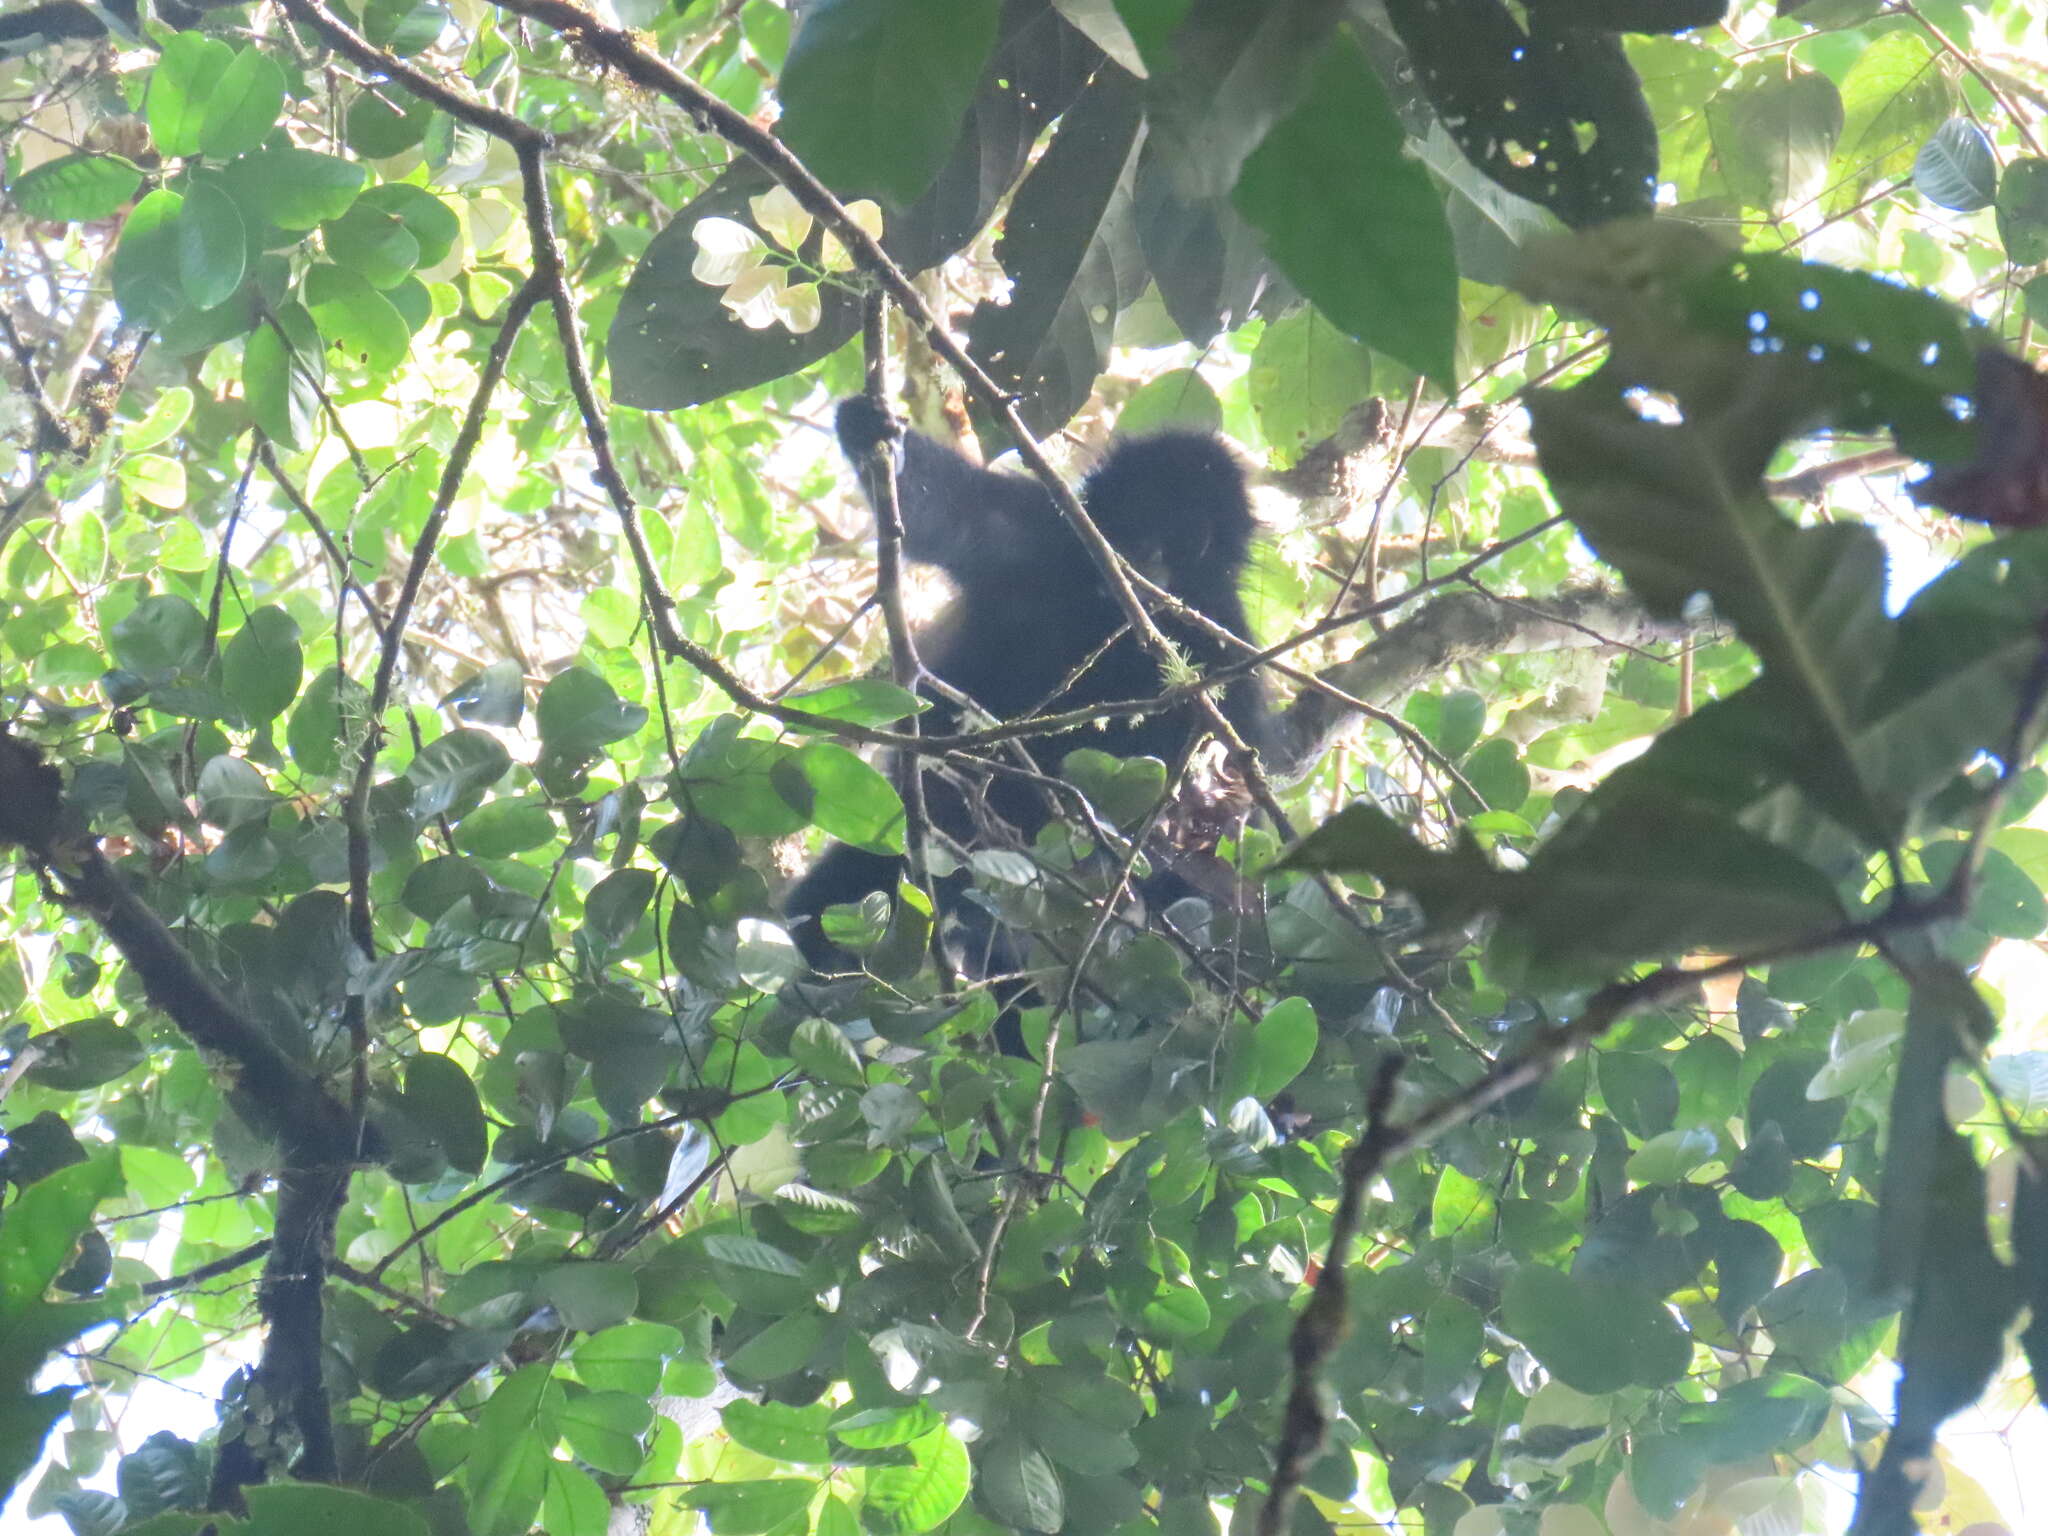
column 860, row 700
column 155, row 478
column 386, row 122
column 232, row 791
column 605, row 1429
column 505, row 827
column 330, row 716
column 1594, row 1336
column 355, row 318
column 753, row 1507
column 262, row 664
column 373, row 243
column 628, row 1358
column 1956, row 168
column 162, row 633
column 494, row 696
column 1352, row 222
column 779, row 1430
column 874, row 90
column 450, row 772
column 80, row 188
column 1306, row 375
column 212, row 246
column 902, row 1501
column 1273, row 1053
column 1019, row 1484
column 855, row 802
column 294, row 189
column 579, row 714
column 591, row 1295
column 430, row 221
column 171, row 409
column 191, row 66
column 147, row 261
column 1895, row 96
column 2023, row 211
column 615, row 905
column 279, row 386
column 243, row 104
column 316, row 1509
column 442, row 1098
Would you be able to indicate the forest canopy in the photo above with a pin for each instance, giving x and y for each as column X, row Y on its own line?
column 1574, row 1071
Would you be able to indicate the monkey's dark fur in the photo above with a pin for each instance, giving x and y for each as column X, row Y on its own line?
column 1032, row 607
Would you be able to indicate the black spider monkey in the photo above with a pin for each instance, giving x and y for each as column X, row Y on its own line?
column 1035, row 628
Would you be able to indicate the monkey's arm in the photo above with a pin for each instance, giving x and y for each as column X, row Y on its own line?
column 971, row 522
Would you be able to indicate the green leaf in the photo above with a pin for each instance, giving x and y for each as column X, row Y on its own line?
column 1894, row 96
column 1678, row 509
column 441, row 1097
column 615, row 905
column 1355, row 224
column 148, row 259
column 860, row 700
column 186, row 74
column 373, row 243
column 243, row 104
column 1594, row 1336
column 1019, row 1484
column 212, row 247
column 753, row 1507
column 902, row 1501
column 280, row 380
column 450, row 773
column 167, row 413
column 874, row 91
column 386, row 122
column 1362, row 839
column 294, row 189
column 578, row 713
column 404, row 26
column 80, row 188
column 494, row 696
column 155, row 478
column 2023, row 211
column 604, row 1428
column 628, row 1358
column 505, row 827
column 573, row 1503
column 515, row 1430
column 354, row 317
column 1807, row 1317
column 779, row 1431
column 855, row 801
column 232, row 791
column 431, row 222
column 1125, row 790
column 316, row 1509
column 1274, row 1053
column 331, row 714
column 781, row 1349
column 1178, row 398
column 1306, row 375
column 162, row 633
column 591, row 1296
column 1673, row 1156
column 1956, row 168
column 44, row 1225
column 825, row 1054
column 1774, row 130
column 262, row 664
